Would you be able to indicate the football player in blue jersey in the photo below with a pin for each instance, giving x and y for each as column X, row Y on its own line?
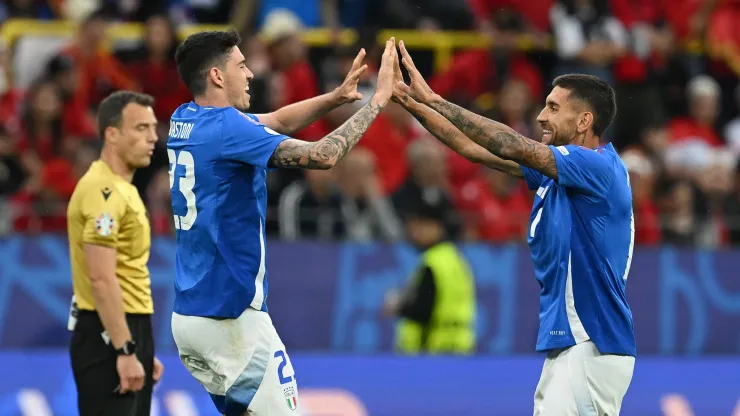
column 219, row 156
column 581, row 233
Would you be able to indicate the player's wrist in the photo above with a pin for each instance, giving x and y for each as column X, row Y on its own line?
column 379, row 100
column 433, row 99
column 336, row 98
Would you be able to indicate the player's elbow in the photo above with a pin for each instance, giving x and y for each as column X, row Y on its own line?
column 326, row 165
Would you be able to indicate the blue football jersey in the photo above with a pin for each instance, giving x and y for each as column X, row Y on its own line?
column 218, row 163
column 581, row 235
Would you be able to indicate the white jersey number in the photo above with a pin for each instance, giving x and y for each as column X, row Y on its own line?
column 186, row 185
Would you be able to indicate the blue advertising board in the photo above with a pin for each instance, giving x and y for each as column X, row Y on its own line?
column 41, row 384
column 328, row 297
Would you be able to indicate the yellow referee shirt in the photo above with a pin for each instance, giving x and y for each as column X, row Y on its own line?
column 106, row 210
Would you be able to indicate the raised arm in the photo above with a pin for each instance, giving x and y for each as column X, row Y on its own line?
column 497, row 138
column 325, row 153
column 294, row 117
column 447, row 133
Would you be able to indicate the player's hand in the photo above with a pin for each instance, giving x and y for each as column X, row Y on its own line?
column 400, row 89
column 158, row 370
column 347, row 92
column 130, row 372
column 384, row 91
column 418, row 89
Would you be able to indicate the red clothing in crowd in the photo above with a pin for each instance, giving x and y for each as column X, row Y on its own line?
column 647, row 223
column 301, row 83
column 10, row 110
column 388, row 144
column 473, row 73
column 685, row 129
column 495, row 218
column 535, row 12
column 99, row 69
column 161, row 81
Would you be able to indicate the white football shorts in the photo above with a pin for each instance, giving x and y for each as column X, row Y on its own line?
column 241, row 362
column 580, row 381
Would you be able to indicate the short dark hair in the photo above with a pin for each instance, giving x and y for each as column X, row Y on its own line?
column 202, row 51
column 110, row 110
column 595, row 93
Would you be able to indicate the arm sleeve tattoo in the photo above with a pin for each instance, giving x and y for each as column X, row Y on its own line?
column 453, row 138
column 500, row 139
column 325, row 153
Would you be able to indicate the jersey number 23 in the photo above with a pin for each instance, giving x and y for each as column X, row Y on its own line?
column 185, row 186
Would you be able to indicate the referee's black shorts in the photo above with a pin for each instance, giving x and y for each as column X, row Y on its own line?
column 94, row 367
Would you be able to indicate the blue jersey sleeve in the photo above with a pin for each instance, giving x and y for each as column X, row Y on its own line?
column 532, row 177
column 584, row 169
column 246, row 140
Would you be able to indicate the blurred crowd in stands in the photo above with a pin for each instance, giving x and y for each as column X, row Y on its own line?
column 673, row 63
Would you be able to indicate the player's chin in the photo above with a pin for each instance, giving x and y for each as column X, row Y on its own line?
column 144, row 162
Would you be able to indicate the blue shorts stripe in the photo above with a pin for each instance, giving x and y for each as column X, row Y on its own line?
column 241, row 393
column 219, row 402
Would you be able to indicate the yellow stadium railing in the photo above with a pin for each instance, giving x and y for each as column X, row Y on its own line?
column 443, row 43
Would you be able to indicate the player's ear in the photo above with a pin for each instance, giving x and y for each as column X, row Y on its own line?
column 585, row 121
column 111, row 134
column 216, row 76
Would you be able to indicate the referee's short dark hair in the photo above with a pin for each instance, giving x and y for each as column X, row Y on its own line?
column 596, row 94
column 110, row 110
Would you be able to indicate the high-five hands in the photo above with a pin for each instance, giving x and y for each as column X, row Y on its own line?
column 347, row 92
column 418, row 89
column 384, row 90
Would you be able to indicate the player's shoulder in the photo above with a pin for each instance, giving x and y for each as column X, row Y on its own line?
column 99, row 183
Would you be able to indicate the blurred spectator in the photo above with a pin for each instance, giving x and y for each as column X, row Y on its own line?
column 732, row 209
column 474, row 75
column 732, row 130
column 388, row 138
column 641, row 71
column 12, row 173
column 10, row 98
column 367, row 214
column 535, row 14
column 495, row 207
column 43, row 134
column 100, row 72
column 588, row 39
column 311, row 208
column 677, row 199
column 427, row 14
column 42, row 207
column 281, row 33
column 514, row 106
column 714, row 183
column 152, row 63
column 77, row 120
column 311, row 13
column 26, row 9
column 642, row 181
column 692, row 138
column 159, row 204
column 427, row 181
column 436, row 308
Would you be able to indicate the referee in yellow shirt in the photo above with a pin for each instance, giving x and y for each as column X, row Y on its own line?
column 112, row 347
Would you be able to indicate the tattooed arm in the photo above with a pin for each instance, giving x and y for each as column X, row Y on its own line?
column 499, row 139
column 453, row 138
column 297, row 116
column 325, row 153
